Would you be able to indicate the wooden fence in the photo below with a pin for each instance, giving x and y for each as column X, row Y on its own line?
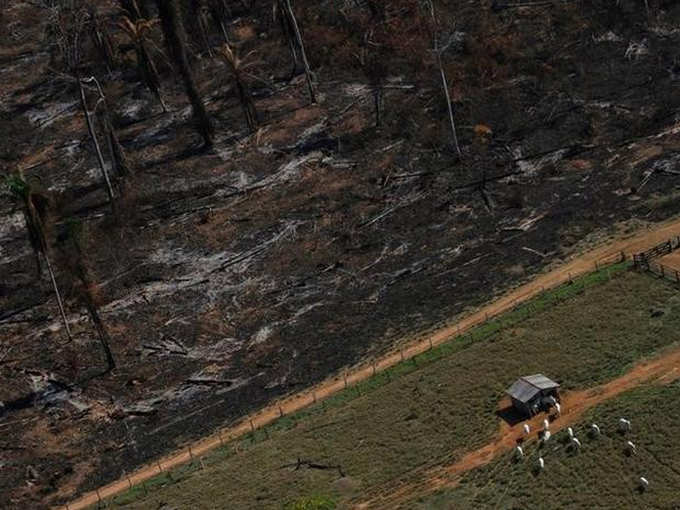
column 642, row 260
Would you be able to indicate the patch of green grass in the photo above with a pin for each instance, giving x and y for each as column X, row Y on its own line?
column 313, row 503
column 600, row 475
column 436, row 408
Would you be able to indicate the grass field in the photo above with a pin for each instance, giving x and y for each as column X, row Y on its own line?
column 431, row 411
column 601, row 475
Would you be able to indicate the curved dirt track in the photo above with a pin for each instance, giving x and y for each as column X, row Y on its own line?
column 578, row 266
column 662, row 369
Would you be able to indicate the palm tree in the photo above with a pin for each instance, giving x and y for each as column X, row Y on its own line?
column 138, row 31
column 237, row 66
column 36, row 205
column 74, row 262
column 175, row 40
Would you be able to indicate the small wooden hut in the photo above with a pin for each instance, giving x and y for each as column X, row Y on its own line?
column 533, row 393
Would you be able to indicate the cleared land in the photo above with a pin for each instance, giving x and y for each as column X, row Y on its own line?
column 435, row 412
column 601, row 475
column 672, row 260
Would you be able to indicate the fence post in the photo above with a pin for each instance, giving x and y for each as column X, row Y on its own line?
column 431, row 343
column 345, row 377
column 281, row 411
column 252, row 426
column 191, row 454
column 401, row 353
column 597, row 268
column 374, row 368
column 219, row 433
column 314, row 396
column 662, row 271
column 158, row 463
column 99, row 497
column 677, row 277
column 129, row 481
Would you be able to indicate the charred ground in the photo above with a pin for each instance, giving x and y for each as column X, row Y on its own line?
column 235, row 275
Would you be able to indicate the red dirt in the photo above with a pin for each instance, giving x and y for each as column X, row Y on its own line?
column 581, row 265
column 671, row 260
column 662, row 369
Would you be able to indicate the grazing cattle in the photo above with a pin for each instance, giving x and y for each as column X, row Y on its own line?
column 624, row 425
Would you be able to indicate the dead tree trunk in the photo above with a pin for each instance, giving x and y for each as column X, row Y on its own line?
column 219, row 10
column 445, row 84
column 102, row 40
column 175, row 38
column 298, row 36
column 248, row 107
column 116, row 152
column 102, row 334
column 93, row 137
column 203, row 27
column 60, row 303
column 377, row 97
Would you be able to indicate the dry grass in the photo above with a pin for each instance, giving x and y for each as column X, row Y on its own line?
column 601, row 475
column 435, row 411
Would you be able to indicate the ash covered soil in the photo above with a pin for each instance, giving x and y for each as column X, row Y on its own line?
column 235, row 275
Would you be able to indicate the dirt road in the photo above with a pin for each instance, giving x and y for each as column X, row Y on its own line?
column 662, row 369
column 578, row 266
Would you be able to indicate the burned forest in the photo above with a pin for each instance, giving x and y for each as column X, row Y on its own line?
column 206, row 205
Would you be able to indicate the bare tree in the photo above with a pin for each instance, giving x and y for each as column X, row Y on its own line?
column 175, row 39
column 74, row 262
column 237, row 66
column 445, row 86
column 138, row 31
column 116, row 152
column 36, row 206
column 68, row 22
column 284, row 10
column 95, row 141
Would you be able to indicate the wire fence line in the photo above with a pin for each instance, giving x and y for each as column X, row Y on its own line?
column 485, row 321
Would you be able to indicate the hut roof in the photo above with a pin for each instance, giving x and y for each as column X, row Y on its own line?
column 526, row 388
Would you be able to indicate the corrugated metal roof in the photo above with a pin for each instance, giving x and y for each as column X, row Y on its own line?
column 541, row 382
column 526, row 388
column 522, row 391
